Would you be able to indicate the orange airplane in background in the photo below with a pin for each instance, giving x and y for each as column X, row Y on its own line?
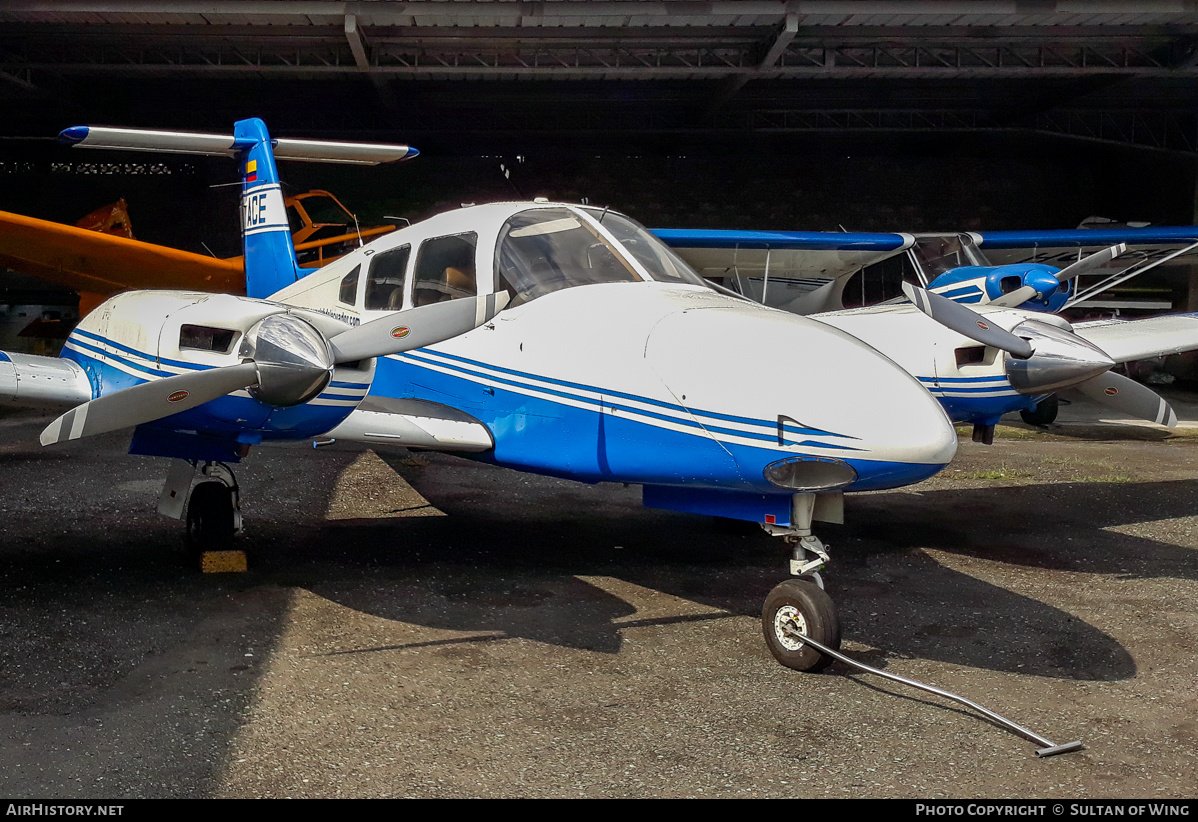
column 98, row 256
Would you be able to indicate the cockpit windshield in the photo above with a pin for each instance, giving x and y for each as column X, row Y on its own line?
column 941, row 252
column 547, row 249
column 658, row 258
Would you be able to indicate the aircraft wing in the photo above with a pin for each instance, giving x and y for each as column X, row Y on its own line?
column 414, row 424
column 93, row 261
column 1130, row 340
column 807, row 269
column 1060, row 248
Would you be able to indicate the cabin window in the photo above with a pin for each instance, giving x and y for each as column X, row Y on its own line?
column 204, row 338
column 384, row 285
column 545, row 250
column 349, row 286
column 323, row 209
column 294, row 221
column 445, row 269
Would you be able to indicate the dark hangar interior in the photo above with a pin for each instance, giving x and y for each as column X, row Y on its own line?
column 913, row 115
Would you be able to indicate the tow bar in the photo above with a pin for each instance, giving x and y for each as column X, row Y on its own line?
column 1047, row 747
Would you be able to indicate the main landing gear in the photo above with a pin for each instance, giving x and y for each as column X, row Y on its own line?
column 213, row 506
column 799, row 607
column 1044, row 413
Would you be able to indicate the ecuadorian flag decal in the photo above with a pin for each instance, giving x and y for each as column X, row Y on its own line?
column 251, row 171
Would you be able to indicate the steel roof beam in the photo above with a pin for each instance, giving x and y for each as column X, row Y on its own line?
column 534, row 11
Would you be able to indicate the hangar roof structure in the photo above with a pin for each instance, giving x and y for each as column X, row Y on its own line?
column 1106, row 70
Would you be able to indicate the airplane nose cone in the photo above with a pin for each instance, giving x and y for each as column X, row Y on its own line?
column 770, row 385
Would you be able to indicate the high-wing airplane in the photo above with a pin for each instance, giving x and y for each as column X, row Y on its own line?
column 99, row 256
column 977, row 377
column 612, row 361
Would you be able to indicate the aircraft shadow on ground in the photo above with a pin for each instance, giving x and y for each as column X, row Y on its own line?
column 521, row 564
column 123, row 670
column 100, row 610
column 1056, row 526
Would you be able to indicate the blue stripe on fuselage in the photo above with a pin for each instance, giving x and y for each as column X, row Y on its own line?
column 433, row 357
column 545, row 435
column 191, row 366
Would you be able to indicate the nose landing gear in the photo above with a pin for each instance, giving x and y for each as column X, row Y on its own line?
column 799, row 608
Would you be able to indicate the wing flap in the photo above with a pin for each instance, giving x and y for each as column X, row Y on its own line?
column 1130, row 340
column 93, row 261
column 414, row 424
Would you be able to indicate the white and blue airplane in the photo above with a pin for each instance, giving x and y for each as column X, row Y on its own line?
column 590, row 351
column 973, row 358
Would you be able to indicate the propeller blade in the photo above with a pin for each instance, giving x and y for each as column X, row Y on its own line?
column 1128, row 396
column 1017, row 297
column 966, row 321
column 416, row 327
column 1096, row 260
column 148, row 402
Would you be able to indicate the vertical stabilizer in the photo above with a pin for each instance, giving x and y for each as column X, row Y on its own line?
column 270, row 263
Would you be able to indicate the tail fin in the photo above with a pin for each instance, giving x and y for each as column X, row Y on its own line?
column 270, row 263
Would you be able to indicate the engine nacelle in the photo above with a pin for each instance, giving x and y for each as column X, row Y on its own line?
column 984, row 283
column 139, row 336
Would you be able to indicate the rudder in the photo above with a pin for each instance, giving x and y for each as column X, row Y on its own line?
column 270, row 262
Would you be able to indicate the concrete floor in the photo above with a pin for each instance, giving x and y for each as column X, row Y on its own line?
column 433, row 627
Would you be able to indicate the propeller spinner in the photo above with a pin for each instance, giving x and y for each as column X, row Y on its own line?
column 1042, row 358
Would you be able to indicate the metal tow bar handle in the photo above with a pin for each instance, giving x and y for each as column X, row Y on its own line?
column 1047, row 747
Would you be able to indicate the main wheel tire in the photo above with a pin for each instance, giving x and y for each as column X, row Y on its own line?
column 1044, row 413
column 801, row 605
column 210, row 517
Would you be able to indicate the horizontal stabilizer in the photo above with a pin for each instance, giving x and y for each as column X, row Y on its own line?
column 222, row 145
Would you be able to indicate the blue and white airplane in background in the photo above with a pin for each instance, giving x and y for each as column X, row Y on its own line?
column 972, row 350
column 590, row 352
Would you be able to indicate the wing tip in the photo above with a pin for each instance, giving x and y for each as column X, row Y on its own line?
column 73, row 135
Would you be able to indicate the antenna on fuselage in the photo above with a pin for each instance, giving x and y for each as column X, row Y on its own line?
column 507, row 175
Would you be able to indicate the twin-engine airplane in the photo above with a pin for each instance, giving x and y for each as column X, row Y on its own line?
column 1006, row 353
column 612, row 361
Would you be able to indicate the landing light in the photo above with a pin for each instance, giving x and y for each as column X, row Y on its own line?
column 810, row 474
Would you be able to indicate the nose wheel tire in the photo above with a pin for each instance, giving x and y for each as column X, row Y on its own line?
column 794, row 609
column 210, row 517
